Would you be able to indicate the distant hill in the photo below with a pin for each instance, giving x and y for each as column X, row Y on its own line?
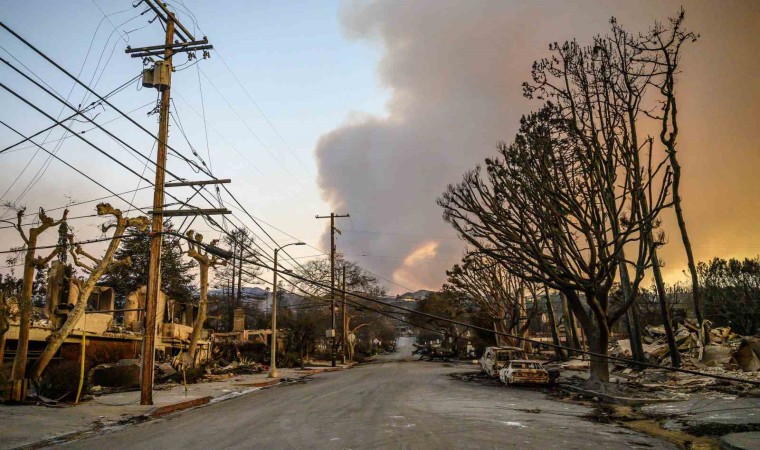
column 422, row 294
column 261, row 298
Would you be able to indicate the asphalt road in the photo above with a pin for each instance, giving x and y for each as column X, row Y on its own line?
column 395, row 403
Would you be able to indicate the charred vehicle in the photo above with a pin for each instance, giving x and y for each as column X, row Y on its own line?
column 496, row 358
column 524, row 372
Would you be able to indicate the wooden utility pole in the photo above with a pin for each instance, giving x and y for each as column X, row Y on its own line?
column 239, row 298
column 157, row 227
column 160, row 78
column 332, row 218
column 344, row 334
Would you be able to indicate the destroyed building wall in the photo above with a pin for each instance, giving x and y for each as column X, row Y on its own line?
column 238, row 320
column 133, row 320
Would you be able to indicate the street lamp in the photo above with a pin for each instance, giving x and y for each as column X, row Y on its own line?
column 273, row 366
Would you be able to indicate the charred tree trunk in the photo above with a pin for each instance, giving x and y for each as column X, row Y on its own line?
column 571, row 332
column 500, row 329
column 239, row 300
column 675, row 357
column 632, row 323
column 25, row 315
column 597, row 331
column 204, row 263
column 695, row 291
column 202, row 307
column 598, row 340
column 558, row 352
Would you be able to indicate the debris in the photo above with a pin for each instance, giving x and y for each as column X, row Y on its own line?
column 714, row 355
column 622, row 349
column 124, row 374
column 576, row 364
column 746, row 356
column 164, row 371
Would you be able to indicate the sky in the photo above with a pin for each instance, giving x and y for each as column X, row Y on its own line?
column 364, row 107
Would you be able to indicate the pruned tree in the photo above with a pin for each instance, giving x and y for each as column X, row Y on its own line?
column 95, row 269
column 10, row 287
column 31, row 263
column 497, row 292
column 205, row 261
column 351, row 336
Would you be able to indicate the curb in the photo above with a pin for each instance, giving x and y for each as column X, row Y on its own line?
column 625, row 401
column 261, row 384
column 174, row 407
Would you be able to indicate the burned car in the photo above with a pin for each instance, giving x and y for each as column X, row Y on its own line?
column 524, row 372
column 496, row 358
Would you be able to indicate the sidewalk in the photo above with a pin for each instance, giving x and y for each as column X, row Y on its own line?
column 31, row 426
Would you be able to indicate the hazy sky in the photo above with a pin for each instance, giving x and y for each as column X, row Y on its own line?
column 379, row 105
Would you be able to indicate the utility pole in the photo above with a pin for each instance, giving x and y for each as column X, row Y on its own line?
column 239, row 299
column 231, row 303
column 332, row 218
column 159, row 77
column 344, row 331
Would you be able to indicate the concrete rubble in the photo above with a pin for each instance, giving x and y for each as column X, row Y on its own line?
column 697, row 405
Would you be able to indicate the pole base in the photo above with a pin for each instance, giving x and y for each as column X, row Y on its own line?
column 273, row 374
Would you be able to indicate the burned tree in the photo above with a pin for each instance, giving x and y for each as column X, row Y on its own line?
column 495, row 291
column 557, row 209
column 95, row 268
column 31, row 263
column 205, row 261
column 661, row 49
column 558, row 351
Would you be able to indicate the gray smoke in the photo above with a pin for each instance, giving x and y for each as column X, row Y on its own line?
column 454, row 71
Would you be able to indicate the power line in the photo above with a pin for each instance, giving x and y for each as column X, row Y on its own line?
column 85, row 242
column 220, row 134
column 514, row 336
column 10, row 149
column 253, row 133
column 114, row 194
column 247, row 93
column 23, row 99
column 255, row 104
column 155, row 137
column 51, row 61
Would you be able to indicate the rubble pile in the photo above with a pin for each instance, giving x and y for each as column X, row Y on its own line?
column 726, row 350
column 727, row 354
column 244, row 366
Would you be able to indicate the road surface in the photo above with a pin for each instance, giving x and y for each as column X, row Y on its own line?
column 395, row 403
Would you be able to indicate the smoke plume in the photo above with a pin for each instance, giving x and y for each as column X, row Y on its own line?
column 454, row 70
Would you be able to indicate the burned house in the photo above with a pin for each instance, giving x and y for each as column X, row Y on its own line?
column 110, row 333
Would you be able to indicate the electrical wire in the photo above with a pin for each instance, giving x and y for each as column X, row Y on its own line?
column 514, row 336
